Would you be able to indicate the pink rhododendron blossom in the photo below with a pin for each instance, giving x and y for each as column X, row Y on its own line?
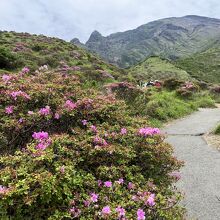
column 106, row 210
column 130, row 185
column 40, row 135
column 75, row 212
column 140, row 214
column 30, row 112
column 9, row 110
column 84, row 122
column 45, row 111
column 6, row 78
column 69, row 105
column 94, row 129
column 94, row 197
column 120, row 181
column 16, row 94
column 41, row 146
column 108, row 184
column 120, row 211
column 62, row 169
column 150, row 200
column 148, row 131
column 123, row 131
column 21, row 120
column 99, row 183
column 86, row 203
column 57, row 116
column 3, row 190
column 25, row 70
column 99, row 141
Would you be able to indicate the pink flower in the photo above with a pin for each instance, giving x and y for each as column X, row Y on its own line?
column 87, row 203
column 57, row 116
column 41, row 146
column 84, row 122
column 94, row 197
column 120, row 211
column 3, row 190
column 30, row 112
column 120, row 181
column 6, row 78
column 94, row 129
column 99, row 141
column 70, row 105
column 150, row 200
column 40, row 135
column 25, row 70
column 123, row 131
column 108, row 184
column 148, row 131
column 62, row 169
column 21, row 120
column 140, row 214
column 99, row 183
column 130, row 185
column 106, row 210
column 16, row 94
column 45, row 111
column 9, row 110
column 75, row 212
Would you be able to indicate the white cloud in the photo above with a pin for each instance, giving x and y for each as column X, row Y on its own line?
column 77, row 18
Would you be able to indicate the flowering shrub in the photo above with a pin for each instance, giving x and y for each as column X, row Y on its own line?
column 74, row 153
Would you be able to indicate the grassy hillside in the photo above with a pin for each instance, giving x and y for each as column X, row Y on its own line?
column 22, row 49
column 155, row 68
column 203, row 66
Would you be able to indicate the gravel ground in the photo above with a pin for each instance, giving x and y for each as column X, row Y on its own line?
column 200, row 180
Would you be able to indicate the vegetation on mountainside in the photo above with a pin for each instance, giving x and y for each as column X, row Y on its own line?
column 70, row 149
column 22, row 49
column 203, row 66
column 155, row 68
column 171, row 38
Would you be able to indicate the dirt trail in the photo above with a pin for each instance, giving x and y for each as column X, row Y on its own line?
column 201, row 174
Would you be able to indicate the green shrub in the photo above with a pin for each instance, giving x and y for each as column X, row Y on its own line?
column 217, row 130
column 7, row 59
column 54, row 177
column 166, row 105
column 172, row 83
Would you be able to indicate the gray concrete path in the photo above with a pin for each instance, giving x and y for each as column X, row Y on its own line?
column 201, row 174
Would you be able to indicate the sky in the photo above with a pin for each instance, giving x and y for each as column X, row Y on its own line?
column 68, row 19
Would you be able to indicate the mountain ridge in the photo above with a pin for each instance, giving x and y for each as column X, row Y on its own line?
column 171, row 38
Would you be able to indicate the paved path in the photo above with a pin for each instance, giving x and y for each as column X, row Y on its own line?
column 201, row 174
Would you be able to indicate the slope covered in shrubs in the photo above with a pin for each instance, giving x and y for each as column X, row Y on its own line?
column 155, row 68
column 70, row 151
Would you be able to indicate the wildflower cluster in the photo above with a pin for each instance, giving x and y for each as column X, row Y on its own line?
column 43, row 140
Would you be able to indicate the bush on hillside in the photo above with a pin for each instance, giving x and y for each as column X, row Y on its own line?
column 7, row 59
column 172, row 83
column 124, row 90
column 72, row 153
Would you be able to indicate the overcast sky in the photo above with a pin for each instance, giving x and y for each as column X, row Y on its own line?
column 67, row 19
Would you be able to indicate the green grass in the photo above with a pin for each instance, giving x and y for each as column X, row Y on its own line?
column 165, row 105
column 203, row 66
column 155, row 68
